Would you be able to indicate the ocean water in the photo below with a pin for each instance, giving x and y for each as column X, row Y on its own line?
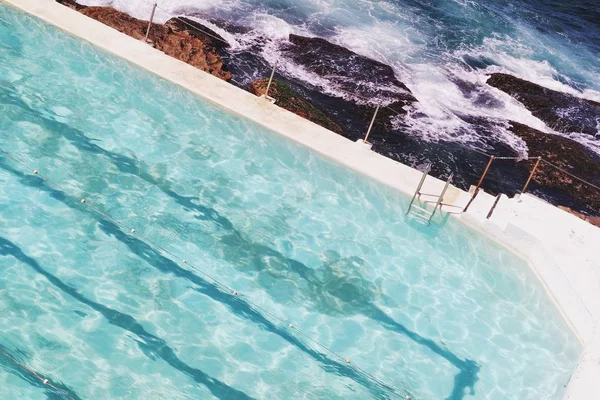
column 92, row 310
column 442, row 49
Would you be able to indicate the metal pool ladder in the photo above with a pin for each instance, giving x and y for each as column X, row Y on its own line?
column 440, row 199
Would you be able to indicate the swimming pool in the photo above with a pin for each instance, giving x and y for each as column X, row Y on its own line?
column 104, row 312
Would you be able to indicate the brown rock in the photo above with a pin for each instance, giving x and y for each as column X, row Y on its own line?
column 120, row 21
column 348, row 70
column 168, row 38
column 198, row 30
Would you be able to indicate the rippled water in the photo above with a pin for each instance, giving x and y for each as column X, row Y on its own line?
column 436, row 312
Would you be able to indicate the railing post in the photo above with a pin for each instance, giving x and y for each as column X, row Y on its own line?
column 537, row 163
column 487, row 168
column 494, row 206
column 366, row 139
column 150, row 22
column 270, row 80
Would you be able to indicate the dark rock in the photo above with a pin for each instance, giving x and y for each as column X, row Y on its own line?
column 230, row 26
column 294, row 102
column 568, row 155
column 560, row 111
column 350, row 72
column 180, row 44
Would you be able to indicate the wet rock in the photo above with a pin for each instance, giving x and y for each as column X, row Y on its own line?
column 295, row 102
column 568, row 155
column 560, row 111
column 169, row 38
column 229, row 26
column 348, row 71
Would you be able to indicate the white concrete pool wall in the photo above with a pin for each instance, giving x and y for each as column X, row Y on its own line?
column 562, row 250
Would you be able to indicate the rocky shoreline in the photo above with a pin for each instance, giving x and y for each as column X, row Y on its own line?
column 353, row 73
column 172, row 38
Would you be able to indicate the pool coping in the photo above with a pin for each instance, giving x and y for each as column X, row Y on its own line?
column 552, row 241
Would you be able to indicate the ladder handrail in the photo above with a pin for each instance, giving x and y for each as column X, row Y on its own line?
column 441, row 198
column 418, row 191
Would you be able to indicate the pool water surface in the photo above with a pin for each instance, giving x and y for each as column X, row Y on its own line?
column 301, row 278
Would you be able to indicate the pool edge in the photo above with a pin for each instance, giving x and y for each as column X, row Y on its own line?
column 552, row 241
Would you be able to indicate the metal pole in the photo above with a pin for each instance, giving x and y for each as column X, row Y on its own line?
column 494, row 206
column 371, row 125
column 489, row 164
column 271, row 79
column 531, row 175
column 150, row 22
column 427, row 169
column 440, row 199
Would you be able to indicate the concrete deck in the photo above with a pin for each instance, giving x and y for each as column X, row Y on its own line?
column 562, row 249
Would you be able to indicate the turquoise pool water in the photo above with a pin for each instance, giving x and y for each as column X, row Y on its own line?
column 102, row 312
